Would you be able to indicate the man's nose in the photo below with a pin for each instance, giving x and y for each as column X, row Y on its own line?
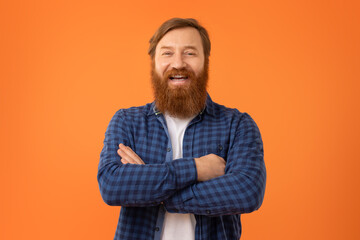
column 178, row 61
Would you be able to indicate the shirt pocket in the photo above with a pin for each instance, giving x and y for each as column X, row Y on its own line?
column 217, row 148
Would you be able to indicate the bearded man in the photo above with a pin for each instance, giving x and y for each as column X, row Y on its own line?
column 182, row 167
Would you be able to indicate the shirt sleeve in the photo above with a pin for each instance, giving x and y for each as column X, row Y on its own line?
column 137, row 185
column 240, row 190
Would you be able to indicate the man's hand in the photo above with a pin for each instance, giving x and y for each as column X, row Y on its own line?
column 209, row 167
column 128, row 155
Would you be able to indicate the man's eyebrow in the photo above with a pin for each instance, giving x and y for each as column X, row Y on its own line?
column 166, row 47
column 186, row 47
column 191, row 47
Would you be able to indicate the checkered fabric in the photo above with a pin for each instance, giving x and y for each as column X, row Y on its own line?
column 145, row 192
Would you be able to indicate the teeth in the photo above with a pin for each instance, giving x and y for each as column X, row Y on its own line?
column 178, row 77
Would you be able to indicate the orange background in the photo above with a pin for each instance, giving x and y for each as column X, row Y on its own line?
column 67, row 66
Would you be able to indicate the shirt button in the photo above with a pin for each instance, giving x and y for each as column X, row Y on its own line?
column 157, row 229
column 220, row 147
column 208, row 211
column 168, row 149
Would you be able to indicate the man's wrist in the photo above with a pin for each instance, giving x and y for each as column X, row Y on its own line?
column 198, row 168
column 185, row 171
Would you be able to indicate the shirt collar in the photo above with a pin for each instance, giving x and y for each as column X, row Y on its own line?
column 209, row 108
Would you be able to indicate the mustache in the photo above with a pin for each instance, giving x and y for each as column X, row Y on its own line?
column 185, row 72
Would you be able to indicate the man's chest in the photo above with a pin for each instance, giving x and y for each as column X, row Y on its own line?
column 152, row 142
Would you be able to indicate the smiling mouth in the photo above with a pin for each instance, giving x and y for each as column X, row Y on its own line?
column 178, row 78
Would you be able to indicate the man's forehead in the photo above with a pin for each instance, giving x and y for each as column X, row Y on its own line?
column 186, row 37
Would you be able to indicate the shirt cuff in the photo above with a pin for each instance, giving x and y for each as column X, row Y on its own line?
column 185, row 171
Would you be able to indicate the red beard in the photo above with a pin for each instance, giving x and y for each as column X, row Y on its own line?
column 182, row 101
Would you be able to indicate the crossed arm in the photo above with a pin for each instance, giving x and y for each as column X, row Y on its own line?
column 186, row 185
column 215, row 193
column 207, row 167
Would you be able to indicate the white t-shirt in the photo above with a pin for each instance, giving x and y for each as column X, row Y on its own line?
column 178, row 226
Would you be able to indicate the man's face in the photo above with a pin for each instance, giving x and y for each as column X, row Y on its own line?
column 180, row 73
column 179, row 49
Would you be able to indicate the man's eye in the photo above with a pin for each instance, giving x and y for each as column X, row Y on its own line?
column 190, row 53
column 166, row 53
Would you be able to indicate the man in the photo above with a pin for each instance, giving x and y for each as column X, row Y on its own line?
column 182, row 167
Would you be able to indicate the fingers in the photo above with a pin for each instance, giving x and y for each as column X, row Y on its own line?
column 125, row 158
column 128, row 155
column 133, row 155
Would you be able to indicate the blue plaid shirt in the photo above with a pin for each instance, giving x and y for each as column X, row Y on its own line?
column 145, row 192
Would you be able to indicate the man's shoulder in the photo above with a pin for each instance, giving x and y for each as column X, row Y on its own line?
column 229, row 114
column 223, row 111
